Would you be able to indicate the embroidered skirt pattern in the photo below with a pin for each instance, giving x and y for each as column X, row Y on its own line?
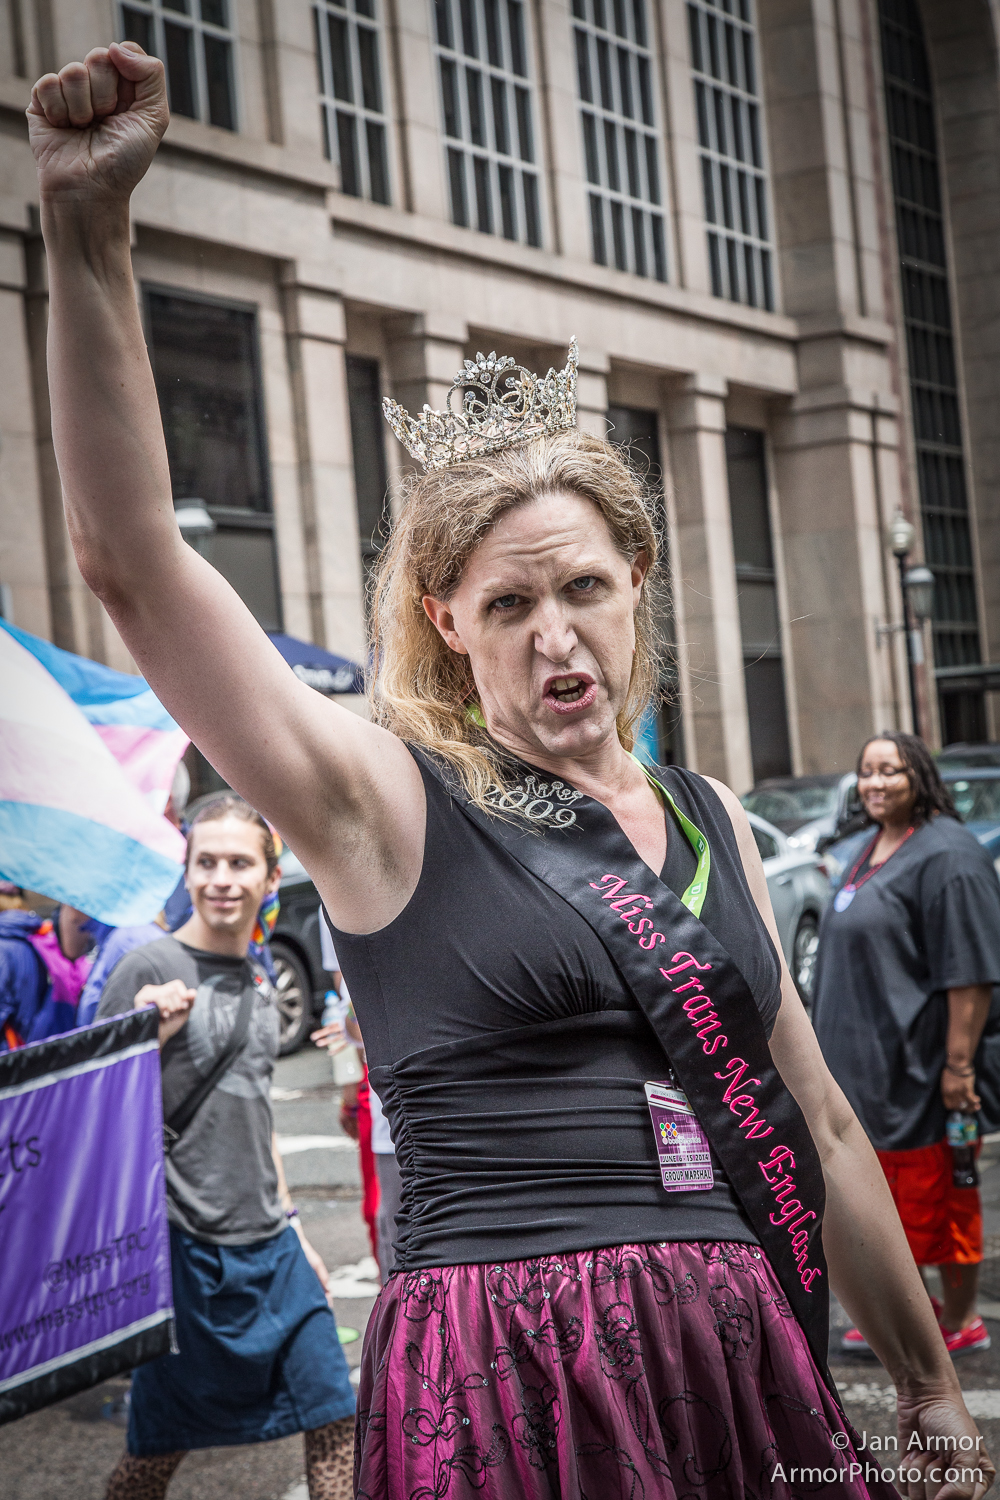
column 632, row 1373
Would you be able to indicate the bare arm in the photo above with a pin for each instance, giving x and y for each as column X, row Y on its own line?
column 871, row 1268
column 285, row 1198
column 324, row 776
column 968, row 1008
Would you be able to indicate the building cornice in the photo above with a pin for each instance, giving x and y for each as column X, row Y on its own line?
column 357, row 217
column 353, row 218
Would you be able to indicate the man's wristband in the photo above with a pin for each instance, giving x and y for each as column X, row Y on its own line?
column 966, row 1071
column 291, row 1213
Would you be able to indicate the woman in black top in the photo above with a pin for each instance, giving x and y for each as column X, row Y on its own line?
column 599, row 1297
column 909, row 952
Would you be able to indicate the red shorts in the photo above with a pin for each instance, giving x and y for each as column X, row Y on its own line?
column 943, row 1223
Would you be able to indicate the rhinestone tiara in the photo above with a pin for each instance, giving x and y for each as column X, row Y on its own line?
column 502, row 403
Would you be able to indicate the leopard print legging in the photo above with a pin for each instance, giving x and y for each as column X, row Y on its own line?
column 330, row 1461
column 143, row 1478
column 329, row 1467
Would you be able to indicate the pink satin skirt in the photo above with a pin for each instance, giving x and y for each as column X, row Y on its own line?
column 633, row 1373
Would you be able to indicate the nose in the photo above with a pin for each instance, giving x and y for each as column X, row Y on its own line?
column 555, row 636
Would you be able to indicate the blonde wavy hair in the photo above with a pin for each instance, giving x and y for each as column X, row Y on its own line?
column 423, row 690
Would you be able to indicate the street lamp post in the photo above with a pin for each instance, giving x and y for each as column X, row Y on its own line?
column 916, row 586
column 196, row 525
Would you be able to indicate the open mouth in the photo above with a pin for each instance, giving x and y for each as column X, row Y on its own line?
column 570, row 693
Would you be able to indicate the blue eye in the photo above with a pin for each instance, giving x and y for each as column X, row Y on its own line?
column 506, row 601
column 581, row 585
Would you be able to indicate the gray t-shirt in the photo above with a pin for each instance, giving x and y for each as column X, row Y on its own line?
column 221, row 1181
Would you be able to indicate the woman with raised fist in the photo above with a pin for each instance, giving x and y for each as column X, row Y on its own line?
column 615, row 1131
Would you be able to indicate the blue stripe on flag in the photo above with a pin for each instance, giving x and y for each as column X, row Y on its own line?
column 103, row 695
column 96, row 869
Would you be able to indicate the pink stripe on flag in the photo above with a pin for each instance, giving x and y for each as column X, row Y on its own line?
column 47, row 770
column 147, row 756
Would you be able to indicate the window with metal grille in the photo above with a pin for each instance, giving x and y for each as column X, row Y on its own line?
column 206, row 363
column 368, row 428
column 757, row 589
column 352, row 99
column 486, row 101
column 621, row 141
column 934, row 399
column 731, row 141
column 195, row 40
column 637, row 430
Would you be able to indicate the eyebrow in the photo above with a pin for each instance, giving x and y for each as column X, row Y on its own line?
column 586, row 569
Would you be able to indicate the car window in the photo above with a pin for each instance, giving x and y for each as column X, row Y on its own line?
column 766, row 845
column 977, row 801
column 853, row 804
column 292, row 868
column 791, row 804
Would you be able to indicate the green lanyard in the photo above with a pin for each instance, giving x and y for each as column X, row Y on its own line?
column 694, row 896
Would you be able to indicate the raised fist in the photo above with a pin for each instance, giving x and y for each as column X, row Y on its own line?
column 94, row 127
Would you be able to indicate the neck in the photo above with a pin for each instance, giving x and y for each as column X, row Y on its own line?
column 605, row 769
column 896, row 829
column 228, row 944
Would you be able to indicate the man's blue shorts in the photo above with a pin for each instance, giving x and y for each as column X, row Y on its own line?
column 259, row 1354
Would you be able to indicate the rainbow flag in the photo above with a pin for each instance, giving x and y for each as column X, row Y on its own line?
column 86, row 760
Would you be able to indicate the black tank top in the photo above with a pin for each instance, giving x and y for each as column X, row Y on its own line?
column 510, row 1057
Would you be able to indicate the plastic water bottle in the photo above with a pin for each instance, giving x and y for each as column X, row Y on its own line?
column 331, row 1008
column 962, row 1133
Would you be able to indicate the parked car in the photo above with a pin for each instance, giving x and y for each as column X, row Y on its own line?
column 976, row 794
column 800, row 891
column 806, row 809
column 954, row 757
column 295, row 949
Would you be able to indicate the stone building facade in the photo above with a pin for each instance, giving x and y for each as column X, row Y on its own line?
column 771, row 224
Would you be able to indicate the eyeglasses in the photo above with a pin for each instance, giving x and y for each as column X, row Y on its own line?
column 887, row 773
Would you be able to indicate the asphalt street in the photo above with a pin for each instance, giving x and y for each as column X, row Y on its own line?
column 67, row 1451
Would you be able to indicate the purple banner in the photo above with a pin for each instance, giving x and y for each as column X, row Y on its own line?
column 84, row 1245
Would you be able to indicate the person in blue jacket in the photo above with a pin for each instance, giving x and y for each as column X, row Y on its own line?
column 44, row 963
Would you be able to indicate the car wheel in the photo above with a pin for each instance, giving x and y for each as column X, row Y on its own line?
column 804, row 951
column 295, row 998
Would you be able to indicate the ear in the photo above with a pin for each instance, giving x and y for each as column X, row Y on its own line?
column 274, row 879
column 443, row 621
column 640, row 566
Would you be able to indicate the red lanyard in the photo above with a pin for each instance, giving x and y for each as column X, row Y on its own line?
column 849, row 882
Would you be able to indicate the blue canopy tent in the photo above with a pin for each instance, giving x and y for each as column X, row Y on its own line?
column 317, row 668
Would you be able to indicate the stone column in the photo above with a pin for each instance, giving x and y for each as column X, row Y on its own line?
column 591, row 391
column 426, row 352
column 410, row 54
column 836, row 474
column 559, row 116
column 315, row 324
column 710, row 647
column 22, row 540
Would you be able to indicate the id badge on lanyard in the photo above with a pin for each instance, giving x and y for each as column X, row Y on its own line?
column 681, row 1144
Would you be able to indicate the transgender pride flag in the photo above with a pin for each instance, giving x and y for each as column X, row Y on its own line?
column 86, row 760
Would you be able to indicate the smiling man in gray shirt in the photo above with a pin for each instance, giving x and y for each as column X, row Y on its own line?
column 259, row 1352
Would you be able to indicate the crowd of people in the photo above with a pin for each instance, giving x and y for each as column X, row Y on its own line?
column 627, row 1171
